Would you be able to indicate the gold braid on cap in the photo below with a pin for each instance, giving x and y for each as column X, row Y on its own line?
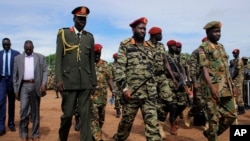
column 70, row 47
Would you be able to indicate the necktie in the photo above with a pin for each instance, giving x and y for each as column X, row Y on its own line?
column 6, row 64
column 79, row 36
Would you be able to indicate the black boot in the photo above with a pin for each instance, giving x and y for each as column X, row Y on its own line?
column 77, row 123
column 241, row 110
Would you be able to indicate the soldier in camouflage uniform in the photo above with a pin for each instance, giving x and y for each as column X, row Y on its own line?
column 99, row 97
column 135, row 76
column 118, row 92
column 180, row 94
column 198, row 100
column 238, row 78
column 246, row 66
column 219, row 88
column 162, row 67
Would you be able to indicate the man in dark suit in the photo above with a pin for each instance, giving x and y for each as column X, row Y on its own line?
column 7, row 56
column 75, row 73
column 29, row 81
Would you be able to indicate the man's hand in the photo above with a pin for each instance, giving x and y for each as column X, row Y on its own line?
column 60, row 86
column 215, row 94
column 235, row 92
column 17, row 96
column 127, row 93
column 43, row 90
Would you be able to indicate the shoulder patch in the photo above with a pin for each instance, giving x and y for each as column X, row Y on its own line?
column 126, row 41
column 201, row 51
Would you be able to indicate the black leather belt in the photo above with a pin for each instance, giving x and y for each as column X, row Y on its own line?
column 29, row 81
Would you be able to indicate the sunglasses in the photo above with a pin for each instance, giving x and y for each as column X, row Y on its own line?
column 6, row 44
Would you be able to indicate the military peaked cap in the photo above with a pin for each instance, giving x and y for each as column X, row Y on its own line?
column 81, row 11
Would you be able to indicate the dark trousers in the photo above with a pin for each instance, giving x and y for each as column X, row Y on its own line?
column 69, row 101
column 6, row 90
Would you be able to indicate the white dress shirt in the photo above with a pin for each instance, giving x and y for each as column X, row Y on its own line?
column 29, row 67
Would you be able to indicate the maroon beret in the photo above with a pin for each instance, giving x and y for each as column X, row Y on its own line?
column 97, row 47
column 178, row 44
column 155, row 30
column 236, row 51
column 115, row 55
column 204, row 39
column 137, row 21
column 244, row 58
column 171, row 43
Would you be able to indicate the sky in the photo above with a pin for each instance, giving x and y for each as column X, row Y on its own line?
column 108, row 21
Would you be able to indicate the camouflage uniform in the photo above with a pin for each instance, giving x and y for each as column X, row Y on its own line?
column 220, row 115
column 180, row 97
column 135, row 66
column 198, row 99
column 238, row 81
column 117, row 90
column 99, row 98
column 181, row 94
column 164, row 91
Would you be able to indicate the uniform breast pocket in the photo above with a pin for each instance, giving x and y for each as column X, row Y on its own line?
column 86, row 50
column 214, row 55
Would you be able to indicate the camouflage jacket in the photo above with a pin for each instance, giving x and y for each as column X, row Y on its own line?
column 136, row 64
column 215, row 58
column 103, row 73
column 194, row 68
column 238, row 64
column 159, row 53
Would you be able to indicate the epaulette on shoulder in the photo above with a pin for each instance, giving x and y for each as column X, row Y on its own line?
column 126, row 41
column 61, row 29
column 86, row 32
column 104, row 61
column 203, row 44
column 149, row 44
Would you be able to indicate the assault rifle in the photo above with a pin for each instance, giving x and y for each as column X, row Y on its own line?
column 182, row 82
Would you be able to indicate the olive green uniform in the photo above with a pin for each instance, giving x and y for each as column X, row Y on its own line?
column 74, row 66
column 220, row 115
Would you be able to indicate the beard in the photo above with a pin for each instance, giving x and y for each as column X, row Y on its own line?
column 139, row 37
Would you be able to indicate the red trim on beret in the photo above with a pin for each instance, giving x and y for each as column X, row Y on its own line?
column 97, row 47
column 140, row 20
column 81, row 11
column 115, row 56
column 178, row 44
column 236, row 51
column 171, row 43
column 204, row 39
column 155, row 30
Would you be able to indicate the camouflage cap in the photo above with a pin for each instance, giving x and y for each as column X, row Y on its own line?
column 212, row 24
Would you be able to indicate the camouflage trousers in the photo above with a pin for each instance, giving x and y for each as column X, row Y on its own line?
column 198, row 103
column 97, row 120
column 149, row 113
column 220, row 116
column 165, row 99
column 239, row 97
column 118, row 101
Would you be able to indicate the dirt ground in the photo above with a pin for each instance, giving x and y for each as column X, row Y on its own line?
column 50, row 120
